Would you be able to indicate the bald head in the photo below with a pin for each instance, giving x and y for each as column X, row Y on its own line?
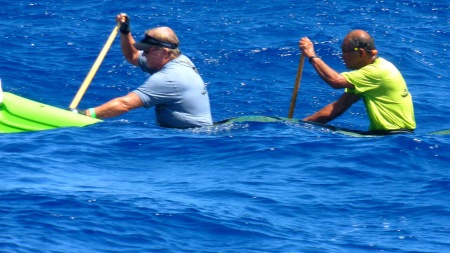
column 358, row 34
column 360, row 39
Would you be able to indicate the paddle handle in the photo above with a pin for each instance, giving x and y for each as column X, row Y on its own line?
column 91, row 74
column 296, row 86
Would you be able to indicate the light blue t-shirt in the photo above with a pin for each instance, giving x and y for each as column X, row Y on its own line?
column 178, row 93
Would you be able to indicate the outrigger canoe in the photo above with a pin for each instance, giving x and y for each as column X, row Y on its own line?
column 18, row 114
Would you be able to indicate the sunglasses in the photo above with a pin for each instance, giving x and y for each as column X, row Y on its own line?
column 148, row 50
column 356, row 49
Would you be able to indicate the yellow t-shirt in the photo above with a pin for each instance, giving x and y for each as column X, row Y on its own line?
column 385, row 94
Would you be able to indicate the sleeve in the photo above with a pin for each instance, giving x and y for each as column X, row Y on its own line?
column 364, row 79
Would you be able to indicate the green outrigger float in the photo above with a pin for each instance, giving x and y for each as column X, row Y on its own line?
column 18, row 114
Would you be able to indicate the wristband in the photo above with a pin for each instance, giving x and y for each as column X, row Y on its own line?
column 124, row 29
column 125, row 26
column 92, row 112
column 312, row 57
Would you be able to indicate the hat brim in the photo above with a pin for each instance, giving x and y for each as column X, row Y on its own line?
column 141, row 46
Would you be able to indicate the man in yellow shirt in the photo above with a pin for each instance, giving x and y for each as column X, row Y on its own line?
column 378, row 82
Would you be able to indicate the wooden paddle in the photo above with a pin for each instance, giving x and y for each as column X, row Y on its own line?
column 296, row 85
column 94, row 68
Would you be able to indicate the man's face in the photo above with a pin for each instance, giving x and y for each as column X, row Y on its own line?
column 350, row 56
column 156, row 57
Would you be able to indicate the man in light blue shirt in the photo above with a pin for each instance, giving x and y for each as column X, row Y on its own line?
column 175, row 88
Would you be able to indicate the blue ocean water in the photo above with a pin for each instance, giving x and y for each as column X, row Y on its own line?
column 126, row 185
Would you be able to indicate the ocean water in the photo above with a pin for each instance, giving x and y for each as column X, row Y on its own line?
column 127, row 185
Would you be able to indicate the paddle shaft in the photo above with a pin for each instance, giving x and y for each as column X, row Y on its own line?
column 296, row 86
column 94, row 68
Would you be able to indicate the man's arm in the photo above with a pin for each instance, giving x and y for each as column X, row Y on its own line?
column 334, row 110
column 126, row 40
column 117, row 106
column 329, row 75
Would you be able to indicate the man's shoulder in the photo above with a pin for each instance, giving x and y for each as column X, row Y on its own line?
column 380, row 62
column 182, row 59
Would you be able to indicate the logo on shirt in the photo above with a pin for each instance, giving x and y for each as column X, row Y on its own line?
column 405, row 93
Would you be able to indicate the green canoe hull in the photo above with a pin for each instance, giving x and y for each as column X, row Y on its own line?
column 442, row 132
column 18, row 114
column 264, row 119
